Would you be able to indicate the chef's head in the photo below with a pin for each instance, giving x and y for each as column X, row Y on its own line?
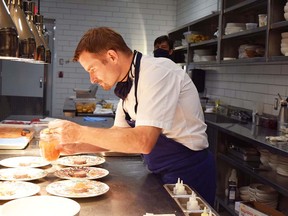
column 163, row 47
column 102, row 53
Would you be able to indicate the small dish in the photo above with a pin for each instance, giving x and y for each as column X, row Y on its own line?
column 24, row 161
column 81, row 173
column 17, row 189
column 80, row 160
column 170, row 187
column 21, row 174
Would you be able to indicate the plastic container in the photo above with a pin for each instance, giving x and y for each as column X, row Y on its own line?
column 251, row 26
column 262, row 20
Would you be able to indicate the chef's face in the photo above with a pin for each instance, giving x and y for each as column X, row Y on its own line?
column 101, row 68
column 163, row 45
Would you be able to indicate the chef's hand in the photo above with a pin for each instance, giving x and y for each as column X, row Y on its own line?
column 69, row 135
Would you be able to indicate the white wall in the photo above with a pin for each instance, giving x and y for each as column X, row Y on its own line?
column 237, row 85
column 139, row 22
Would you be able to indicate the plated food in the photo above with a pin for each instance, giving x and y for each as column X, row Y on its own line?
column 17, row 189
column 81, row 160
column 81, row 173
column 24, row 161
column 77, row 188
column 21, row 174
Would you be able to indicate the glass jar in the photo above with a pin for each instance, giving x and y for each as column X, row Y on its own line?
column 47, row 144
column 262, row 20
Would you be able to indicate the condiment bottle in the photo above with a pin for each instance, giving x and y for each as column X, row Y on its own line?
column 232, row 186
column 192, row 204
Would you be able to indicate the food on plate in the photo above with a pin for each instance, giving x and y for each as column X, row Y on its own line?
column 24, row 132
column 80, row 187
column 21, row 176
column 47, row 144
column 4, row 191
column 79, row 161
column 78, row 173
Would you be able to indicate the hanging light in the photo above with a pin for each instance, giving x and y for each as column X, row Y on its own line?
column 8, row 34
column 28, row 8
column 27, row 43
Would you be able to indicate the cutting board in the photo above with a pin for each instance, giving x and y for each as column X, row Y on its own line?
column 15, row 137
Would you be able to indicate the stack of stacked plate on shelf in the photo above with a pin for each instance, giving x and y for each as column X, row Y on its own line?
column 266, row 195
column 252, row 191
column 264, row 157
column 244, row 193
column 273, row 161
column 282, row 167
column 234, row 28
column 284, row 43
column 203, row 55
column 286, row 11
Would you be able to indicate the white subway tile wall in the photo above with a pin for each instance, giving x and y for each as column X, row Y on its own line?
column 139, row 22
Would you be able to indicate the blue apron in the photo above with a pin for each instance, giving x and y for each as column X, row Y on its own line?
column 171, row 160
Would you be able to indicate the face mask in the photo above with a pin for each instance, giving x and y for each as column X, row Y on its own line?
column 123, row 88
column 161, row 53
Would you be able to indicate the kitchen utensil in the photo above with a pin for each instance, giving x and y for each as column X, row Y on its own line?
column 283, row 113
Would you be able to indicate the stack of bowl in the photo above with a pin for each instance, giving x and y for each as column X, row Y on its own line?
column 252, row 191
column 284, row 43
column 286, row 11
column 264, row 157
column 234, row 27
column 266, row 195
column 282, row 167
column 244, row 193
column 273, row 161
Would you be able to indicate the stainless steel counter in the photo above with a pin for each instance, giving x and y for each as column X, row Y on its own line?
column 133, row 190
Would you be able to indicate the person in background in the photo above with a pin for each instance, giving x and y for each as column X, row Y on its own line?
column 163, row 47
column 159, row 114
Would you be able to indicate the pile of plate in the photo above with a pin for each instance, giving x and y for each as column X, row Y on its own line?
column 266, row 195
column 282, row 167
column 244, row 193
column 203, row 55
column 286, row 11
column 234, row 27
column 273, row 161
column 284, row 43
column 264, row 157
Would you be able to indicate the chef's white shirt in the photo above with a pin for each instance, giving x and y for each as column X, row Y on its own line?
column 167, row 99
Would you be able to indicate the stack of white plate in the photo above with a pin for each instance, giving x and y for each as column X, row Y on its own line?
column 284, row 43
column 244, row 193
column 273, row 161
column 203, row 55
column 286, row 11
column 252, row 191
column 266, row 195
column 234, row 27
column 282, row 167
column 264, row 157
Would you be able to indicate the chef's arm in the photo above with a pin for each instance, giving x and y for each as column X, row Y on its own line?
column 140, row 139
column 75, row 138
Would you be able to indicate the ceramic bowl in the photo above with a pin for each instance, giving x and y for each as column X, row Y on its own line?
column 286, row 8
column 284, row 50
column 251, row 25
column 286, row 16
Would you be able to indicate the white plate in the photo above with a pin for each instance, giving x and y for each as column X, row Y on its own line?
column 41, row 205
column 90, row 160
column 66, row 188
column 24, row 161
column 21, row 174
column 17, row 189
column 91, row 173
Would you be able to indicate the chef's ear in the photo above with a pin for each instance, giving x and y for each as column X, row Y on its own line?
column 112, row 55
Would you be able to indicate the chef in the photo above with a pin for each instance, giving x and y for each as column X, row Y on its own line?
column 163, row 47
column 159, row 114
